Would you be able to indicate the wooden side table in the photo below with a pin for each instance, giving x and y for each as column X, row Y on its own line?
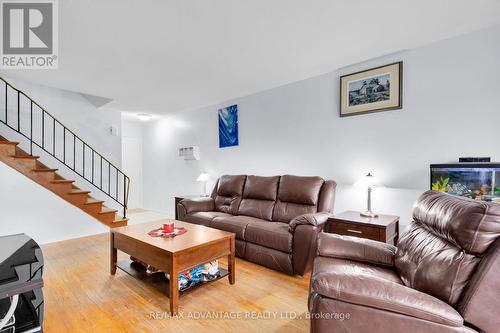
column 178, row 199
column 384, row 228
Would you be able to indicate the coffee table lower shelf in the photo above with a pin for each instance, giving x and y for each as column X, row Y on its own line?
column 158, row 280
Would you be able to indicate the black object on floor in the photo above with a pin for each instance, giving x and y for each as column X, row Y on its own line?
column 21, row 269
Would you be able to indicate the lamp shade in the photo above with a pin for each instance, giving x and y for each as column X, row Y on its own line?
column 203, row 177
column 368, row 181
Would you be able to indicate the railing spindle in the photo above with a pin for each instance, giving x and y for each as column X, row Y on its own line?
column 54, row 136
column 31, row 128
column 43, row 128
column 64, row 144
column 6, row 105
column 109, row 178
column 83, row 160
column 116, row 194
column 74, row 152
column 124, row 196
column 101, row 172
column 18, row 112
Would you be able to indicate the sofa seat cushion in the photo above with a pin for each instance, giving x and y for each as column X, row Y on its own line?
column 378, row 287
column 234, row 224
column 203, row 218
column 270, row 258
column 274, row 235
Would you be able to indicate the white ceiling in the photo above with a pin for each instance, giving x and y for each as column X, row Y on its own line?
column 166, row 56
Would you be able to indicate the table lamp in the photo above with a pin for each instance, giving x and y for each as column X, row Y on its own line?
column 369, row 182
column 203, row 177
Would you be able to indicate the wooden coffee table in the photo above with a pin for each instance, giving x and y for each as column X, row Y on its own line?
column 173, row 255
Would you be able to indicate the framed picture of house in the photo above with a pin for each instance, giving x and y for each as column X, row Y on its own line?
column 372, row 90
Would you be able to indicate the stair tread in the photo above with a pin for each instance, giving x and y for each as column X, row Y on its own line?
column 15, row 143
column 29, row 157
column 107, row 210
column 44, row 170
column 92, row 201
column 78, row 191
column 120, row 221
column 62, row 181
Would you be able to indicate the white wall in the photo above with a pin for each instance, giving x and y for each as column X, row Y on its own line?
column 450, row 110
column 132, row 158
column 25, row 206
column 73, row 110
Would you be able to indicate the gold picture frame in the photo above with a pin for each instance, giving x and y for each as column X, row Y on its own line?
column 372, row 90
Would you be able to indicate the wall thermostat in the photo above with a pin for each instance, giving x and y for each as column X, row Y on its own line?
column 190, row 153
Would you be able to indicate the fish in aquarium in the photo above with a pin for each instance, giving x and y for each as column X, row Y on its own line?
column 479, row 181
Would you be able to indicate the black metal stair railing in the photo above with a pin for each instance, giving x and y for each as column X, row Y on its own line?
column 44, row 131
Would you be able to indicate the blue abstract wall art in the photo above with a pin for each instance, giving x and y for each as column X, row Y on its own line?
column 228, row 126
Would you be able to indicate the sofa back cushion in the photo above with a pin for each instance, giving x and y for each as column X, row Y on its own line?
column 229, row 192
column 259, row 197
column 296, row 196
column 445, row 242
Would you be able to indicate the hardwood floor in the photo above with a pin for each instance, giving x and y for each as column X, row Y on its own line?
column 81, row 296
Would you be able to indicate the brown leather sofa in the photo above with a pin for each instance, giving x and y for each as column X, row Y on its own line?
column 443, row 276
column 276, row 219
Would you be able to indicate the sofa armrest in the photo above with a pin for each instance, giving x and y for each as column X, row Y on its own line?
column 202, row 204
column 314, row 219
column 305, row 246
column 357, row 249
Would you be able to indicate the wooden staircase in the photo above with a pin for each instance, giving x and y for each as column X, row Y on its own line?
column 31, row 167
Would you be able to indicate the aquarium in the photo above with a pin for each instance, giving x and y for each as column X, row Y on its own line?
column 479, row 181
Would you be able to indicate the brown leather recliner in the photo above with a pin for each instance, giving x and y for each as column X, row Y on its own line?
column 443, row 276
column 276, row 219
